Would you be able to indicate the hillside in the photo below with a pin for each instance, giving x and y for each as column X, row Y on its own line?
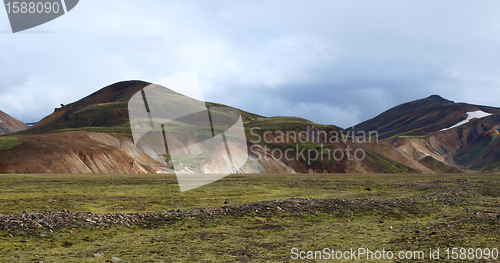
column 8, row 124
column 105, row 110
column 64, row 142
column 93, row 135
column 420, row 117
column 440, row 134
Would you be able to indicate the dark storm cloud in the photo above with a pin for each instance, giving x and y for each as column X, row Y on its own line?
column 372, row 90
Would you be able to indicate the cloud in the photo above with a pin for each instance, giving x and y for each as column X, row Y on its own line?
column 333, row 62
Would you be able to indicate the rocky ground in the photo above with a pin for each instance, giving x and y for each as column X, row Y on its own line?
column 332, row 207
column 222, row 223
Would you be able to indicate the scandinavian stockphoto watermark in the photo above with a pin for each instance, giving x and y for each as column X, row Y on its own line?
column 311, row 144
column 26, row 14
column 200, row 142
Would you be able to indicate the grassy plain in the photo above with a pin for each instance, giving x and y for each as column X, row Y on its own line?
column 394, row 212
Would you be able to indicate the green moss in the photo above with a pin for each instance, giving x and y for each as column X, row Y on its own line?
column 438, row 166
column 280, row 124
column 352, row 219
column 117, row 130
column 387, row 165
column 7, row 143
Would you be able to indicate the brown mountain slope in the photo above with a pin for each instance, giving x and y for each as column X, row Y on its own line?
column 8, row 124
column 105, row 110
column 474, row 146
column 410, row 133
column 62, row 143
column 390, row 152
column 483, row 151
column 325, row 149
column 420, row 117
column 73, row 152
column 416, row 130
column 118, row 92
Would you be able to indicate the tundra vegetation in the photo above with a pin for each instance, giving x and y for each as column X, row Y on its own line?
column 145, row 218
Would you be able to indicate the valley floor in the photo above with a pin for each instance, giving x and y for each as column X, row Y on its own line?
column 249, row 218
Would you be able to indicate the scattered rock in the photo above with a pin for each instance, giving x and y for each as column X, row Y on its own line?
column 227, row 202
column 381, row 221
column 115, row 259
column 258, row 220
column 51, row 221
column 98, row 255
column 368, row 188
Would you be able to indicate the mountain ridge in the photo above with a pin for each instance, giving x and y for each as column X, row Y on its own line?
column 419, row 117
column 105, row 111
column 9, row 124
column 411, row 139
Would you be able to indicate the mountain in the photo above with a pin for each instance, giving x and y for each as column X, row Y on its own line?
column 93, row 135
column 105, row 110
column 331, row 149
column 420, row 117
column 8, row 124
column 74, row 152
column 440, row 134
column 83, row 125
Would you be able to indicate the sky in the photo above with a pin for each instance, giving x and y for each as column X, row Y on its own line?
column 332, row 62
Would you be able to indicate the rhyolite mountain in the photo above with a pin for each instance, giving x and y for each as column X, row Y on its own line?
column 420, row 117
column 9, row 124
column 431, row 132
column 93, row 135
column 105, row 110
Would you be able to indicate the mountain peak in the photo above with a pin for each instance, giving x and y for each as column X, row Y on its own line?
column 420, row 117
column 436, row 98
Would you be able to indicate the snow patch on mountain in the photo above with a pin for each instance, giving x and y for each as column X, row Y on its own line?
column 470, row 115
